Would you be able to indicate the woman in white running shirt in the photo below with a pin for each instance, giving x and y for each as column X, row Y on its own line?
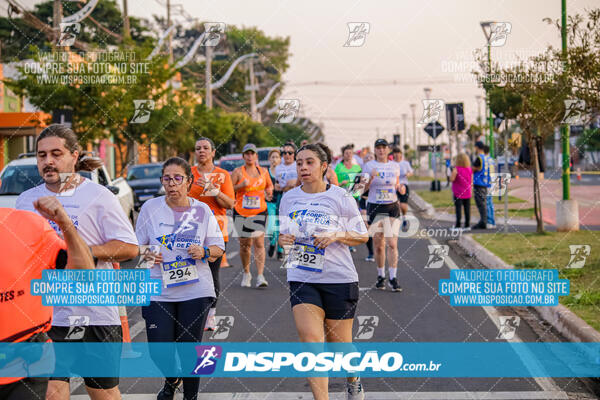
column 383, row 212
column 319, row 223
column 189, row 238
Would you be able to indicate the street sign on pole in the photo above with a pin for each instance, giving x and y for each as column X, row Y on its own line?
column 458, row 123
column 434, row 129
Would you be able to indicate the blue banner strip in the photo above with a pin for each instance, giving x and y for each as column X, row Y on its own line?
column 301, row 359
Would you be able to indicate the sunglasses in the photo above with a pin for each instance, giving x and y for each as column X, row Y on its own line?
column 178, row 179
column 287, row 152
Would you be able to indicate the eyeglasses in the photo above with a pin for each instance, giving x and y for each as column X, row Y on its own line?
column 178, row 179
column 287, row 152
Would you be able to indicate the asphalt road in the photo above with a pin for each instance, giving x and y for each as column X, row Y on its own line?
column 417, row 314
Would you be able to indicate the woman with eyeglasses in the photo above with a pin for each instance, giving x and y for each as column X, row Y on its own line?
column 319, row 222
column 189, row 238
column 286, row 170
column 253, row 187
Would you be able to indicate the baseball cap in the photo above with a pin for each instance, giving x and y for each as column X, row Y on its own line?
column 381, row 142
column 480, row 145
column 249, row 147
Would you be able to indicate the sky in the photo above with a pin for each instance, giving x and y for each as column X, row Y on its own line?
column 417, row 44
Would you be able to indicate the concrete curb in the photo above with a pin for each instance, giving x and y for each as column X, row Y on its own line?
column 420, row 205
column 560, row 317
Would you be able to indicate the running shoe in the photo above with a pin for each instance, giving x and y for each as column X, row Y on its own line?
column 211, row 323
column 370, row 258
column 168, row 390
column 394, row 285
column 380, row 283
column 246, row 279
column 354, row 390
column 352, row 249
column 279, row 256
column 466, row 229
column 261, row 282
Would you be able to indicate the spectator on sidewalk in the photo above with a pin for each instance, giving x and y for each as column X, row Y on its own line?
column 462, row 185
column 491, row 164
column 480, row 184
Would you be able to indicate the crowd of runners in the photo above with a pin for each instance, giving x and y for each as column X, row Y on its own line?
column 307, row 209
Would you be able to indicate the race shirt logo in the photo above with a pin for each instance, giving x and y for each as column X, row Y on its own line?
column 167, row 240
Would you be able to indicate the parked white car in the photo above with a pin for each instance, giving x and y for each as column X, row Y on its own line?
column 22, row 174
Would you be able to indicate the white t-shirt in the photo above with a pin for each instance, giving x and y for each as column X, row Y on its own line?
column 174, row 232
column 383, row 186
column 98, row 218
column 405, row 168
column 285, row 173
column 303, row 214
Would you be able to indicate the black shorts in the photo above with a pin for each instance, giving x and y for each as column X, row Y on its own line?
column 26, row 388
column 338, row 300
column 404, row 197
column 92, row 334
column 245, row 226
column 389, row 210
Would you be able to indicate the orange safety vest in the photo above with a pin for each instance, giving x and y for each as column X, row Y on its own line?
column 250, row 201
column 28, row 245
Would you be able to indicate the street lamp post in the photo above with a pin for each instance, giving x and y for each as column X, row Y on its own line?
column 486, row 26
column 564, row 129
column 427, row 94
column 567, row 210
column 404, row 133
column 412, row 110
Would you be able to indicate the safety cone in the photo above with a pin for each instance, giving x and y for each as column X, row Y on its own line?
column 224, row 262
column 127, row 351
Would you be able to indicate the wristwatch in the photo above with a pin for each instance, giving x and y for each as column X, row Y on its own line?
column 206, row 254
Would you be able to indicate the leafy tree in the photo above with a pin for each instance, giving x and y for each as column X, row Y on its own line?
column 102, row 28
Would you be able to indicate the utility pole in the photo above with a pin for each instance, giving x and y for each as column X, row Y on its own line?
column 253, row 113
column 126, row 27
column 170, row 33
column 479, row 123
column 57, row 12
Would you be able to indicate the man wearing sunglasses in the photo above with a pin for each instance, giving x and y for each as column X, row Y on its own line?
column 286, row 172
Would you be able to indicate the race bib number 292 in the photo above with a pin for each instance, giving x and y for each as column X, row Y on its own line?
column 306, row 257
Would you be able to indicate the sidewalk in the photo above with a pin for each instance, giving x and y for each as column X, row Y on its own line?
column 588, row 198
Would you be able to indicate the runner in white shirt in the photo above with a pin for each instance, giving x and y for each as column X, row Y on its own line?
column 403, row 191
column 319, row 222
column 189, row 237
column 383, row 212
column 285, row 172
column 101, row 222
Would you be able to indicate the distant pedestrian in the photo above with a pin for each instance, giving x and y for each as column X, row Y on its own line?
column 462, row 185
column 491, row 164
column 480, row 184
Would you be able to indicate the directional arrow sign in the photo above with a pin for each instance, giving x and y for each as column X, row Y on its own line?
column 434, row 129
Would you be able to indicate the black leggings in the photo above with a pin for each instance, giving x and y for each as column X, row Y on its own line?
column 177, row 321
column 215, row 267
column 466, row 204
